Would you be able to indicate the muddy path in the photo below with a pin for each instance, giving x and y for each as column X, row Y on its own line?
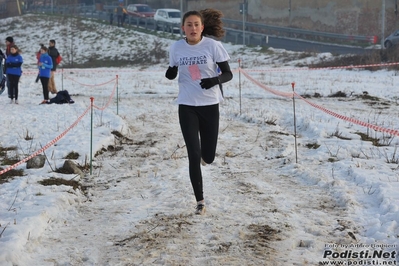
column 262, row 209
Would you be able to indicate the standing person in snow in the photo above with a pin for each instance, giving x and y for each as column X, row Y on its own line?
column 119, row 15
column 9, row 43
column 111, row 16
column 197, row 58
column 53, row 53
column 38, row 54
column 45, row 65
column 14, row 71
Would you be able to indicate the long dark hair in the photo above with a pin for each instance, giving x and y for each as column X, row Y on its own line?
column 213, row 25
column 16, row 48
column 211, row 19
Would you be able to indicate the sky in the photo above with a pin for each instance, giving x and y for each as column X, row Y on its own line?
column 327, row 197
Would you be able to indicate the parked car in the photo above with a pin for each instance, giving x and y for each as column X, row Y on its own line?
column 167, row 19
column 140, row 10
column 392, row 39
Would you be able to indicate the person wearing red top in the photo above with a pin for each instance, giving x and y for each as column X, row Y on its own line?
column 9, row 43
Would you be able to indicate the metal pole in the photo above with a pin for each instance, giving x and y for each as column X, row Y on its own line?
column 62, row 79
column 91, row 135
column 117, row 95
column 239, row 80
column 383, row 24
column 243, row 23
column 293, row 103
column 181, row 16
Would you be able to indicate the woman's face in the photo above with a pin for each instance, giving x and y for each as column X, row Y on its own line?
column 13, row 50
column 193, row 28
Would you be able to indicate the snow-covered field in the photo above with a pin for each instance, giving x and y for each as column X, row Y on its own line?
column 337, row 204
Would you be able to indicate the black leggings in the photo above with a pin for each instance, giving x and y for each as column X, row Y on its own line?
column 13, row 86
column 205, row 121
column 44, row 82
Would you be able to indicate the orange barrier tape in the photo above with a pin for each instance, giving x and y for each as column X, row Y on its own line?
column 321, row 68
column 68, row 129
column 279, row 93
column 89, row 85
column 352, row 120
column 349, row 119
column 47, row 145
column 109, row 100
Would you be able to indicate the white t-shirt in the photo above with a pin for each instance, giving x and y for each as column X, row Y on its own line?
column 196, row 62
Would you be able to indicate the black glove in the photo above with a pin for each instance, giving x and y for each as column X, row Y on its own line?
column 209, row 82
column 171, row 73
column 12, row 64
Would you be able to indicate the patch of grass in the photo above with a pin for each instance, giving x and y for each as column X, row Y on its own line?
column 338, row 94
column 28, row 136
column 60, row 181
column 9, row 161
column 373, row 100
column 72, row 155
column 271, row 121
column 378, row 142
column 3, row 150
column 366, row 137
column 315, row 95
column 9, row 175
column 366, row 96
column 312, row 146
column 338, row 134
column 279, row 133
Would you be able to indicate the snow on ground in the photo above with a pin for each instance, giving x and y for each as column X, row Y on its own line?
column 337, row 204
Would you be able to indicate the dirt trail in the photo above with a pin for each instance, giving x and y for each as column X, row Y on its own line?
column 139, row 208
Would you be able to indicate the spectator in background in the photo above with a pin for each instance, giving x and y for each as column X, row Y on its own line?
column 111, row 17
column 9, row 43
column 14, row 71
column 120, row 14
column 124, row 15
column 45, row 65
column 53, row 53
column 38, row 54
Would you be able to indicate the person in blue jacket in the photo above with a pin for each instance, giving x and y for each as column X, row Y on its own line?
column 45, row 65
column 14, row 62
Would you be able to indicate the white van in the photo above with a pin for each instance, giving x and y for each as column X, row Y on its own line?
column 167, row 19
